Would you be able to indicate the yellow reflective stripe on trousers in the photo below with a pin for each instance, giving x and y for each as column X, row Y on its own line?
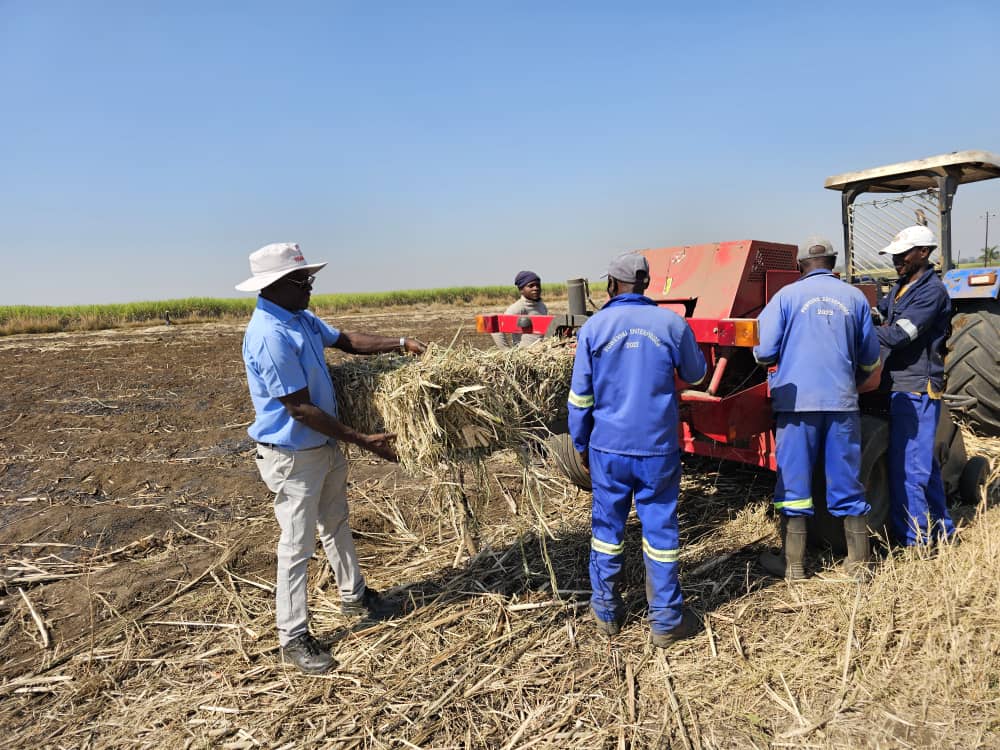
column 659, row 555
column 582, row 402
column 608, row 549
column 803, row 504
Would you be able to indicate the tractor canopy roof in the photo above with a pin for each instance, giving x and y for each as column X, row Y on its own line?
column 919, row 174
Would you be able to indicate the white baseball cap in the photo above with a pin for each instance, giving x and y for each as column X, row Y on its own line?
column 272, row 262
column 915, row 236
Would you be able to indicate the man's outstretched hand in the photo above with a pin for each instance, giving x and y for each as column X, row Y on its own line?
column 380, row 444
column 414, row 346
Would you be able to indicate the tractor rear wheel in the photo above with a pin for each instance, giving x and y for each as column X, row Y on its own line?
column 826, row 530
column 565, row 455
column 949, row 449
column 974, row 353
column 972, row 483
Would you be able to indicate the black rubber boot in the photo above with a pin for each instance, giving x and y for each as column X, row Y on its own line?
column 790, row 563
column 795, row 549
column 857, row 564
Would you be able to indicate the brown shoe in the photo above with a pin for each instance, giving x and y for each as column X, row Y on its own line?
column 688, row 626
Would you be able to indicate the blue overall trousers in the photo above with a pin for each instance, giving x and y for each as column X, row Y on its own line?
column 919, row 507
column 805, row 436
column 654, row 483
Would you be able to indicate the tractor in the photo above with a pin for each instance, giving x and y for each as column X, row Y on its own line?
column 720, row 288
column 922, row 191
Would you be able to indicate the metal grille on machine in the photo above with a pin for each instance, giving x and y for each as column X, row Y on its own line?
column 874, row 224
column 768, row 257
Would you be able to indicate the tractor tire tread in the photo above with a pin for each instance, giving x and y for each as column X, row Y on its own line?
column 949, row 449
column 971, row 364
column 568, row 460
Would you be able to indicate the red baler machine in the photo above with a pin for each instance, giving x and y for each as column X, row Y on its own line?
column 719, row 289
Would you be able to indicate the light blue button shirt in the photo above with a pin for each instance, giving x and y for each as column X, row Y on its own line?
column 283, row 353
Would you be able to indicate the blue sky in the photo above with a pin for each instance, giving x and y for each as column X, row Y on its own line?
column 149, row 147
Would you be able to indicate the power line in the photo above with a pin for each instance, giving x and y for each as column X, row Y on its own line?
column 987, row 255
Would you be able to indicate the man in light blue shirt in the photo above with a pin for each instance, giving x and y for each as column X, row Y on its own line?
column 296, row 429
column 819, row 332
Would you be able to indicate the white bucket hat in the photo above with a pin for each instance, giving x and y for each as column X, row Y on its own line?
column 915, row 236
column 272, row 262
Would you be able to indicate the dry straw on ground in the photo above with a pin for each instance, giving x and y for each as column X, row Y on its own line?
column 493, row 650
column 456, row 405
column 488, row 655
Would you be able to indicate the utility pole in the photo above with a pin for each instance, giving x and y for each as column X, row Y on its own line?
column 987, row 255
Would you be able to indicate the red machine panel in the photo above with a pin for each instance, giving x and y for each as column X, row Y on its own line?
column 720, row 289
column 774, row 280
column 721, row 280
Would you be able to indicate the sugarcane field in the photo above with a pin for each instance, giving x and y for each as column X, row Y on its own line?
column 137, row 565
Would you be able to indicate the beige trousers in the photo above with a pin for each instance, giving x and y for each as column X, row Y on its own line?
column 310, row 494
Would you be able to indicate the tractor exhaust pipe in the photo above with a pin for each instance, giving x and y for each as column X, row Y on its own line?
column 577, row 291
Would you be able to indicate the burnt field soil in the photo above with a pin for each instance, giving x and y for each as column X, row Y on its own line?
column 137, row 563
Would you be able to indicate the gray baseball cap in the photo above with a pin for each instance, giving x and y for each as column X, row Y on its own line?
column 816, row 247
column 626, row 267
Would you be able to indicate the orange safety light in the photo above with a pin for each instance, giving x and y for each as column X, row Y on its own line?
column 746, row 332
column 727, row 332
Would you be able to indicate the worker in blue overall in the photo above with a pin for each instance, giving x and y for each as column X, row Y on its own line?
column 819, row 332
column 917, row 318
column 624, row 422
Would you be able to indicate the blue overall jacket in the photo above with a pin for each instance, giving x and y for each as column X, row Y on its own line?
column 819, row 331
column 622, row 397
column 917, row 319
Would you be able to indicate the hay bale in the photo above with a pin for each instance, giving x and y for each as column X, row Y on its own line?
column 456, row 404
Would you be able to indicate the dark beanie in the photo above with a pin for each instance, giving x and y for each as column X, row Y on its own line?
column 524, row 278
